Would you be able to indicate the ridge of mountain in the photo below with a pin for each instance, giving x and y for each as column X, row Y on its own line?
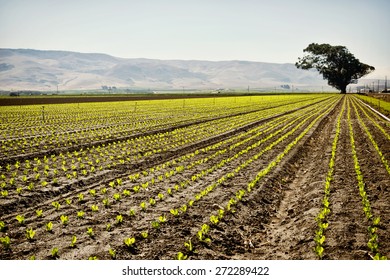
column 46, row 69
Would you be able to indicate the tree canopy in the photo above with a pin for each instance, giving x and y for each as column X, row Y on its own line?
column 335, row 63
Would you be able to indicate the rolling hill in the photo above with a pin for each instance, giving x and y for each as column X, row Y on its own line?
column 22, row 69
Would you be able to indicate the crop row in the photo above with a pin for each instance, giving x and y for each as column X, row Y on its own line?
column 23, row 135
column 58, row 169
column 94, row 208
column 373, row 243
column 202, row 234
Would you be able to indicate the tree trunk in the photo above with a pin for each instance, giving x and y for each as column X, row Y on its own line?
column 343, row 89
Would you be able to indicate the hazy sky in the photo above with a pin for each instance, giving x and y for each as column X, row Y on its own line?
column 267, row 31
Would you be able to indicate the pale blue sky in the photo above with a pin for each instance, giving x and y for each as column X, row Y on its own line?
column 267, row 31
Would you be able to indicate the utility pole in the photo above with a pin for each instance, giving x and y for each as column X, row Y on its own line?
column 385, row 83
column 378, row 86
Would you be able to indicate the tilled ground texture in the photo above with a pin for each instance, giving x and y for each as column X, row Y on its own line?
column 200, row 201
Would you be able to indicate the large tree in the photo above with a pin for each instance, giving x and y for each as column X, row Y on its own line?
column 335, row 63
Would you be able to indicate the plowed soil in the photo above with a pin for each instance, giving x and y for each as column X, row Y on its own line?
column 276, row 220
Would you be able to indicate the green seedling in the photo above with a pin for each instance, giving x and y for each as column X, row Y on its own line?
column 54, row 252
column 64, row 220
column 80, row 197
column 143, row 206
column 214, row 219
column 95, row 208
column 162, row 219
column 90, row 232
column 152, row 202
column 131, row 212
column 112, row 253
column 129, row 242
column 174, row 212
column 92, row 192
column 108, row 227
column 49, row 226
column 20, row 219
column 93, row 258
column 106, row 202
column 189, row 246
column 181, row 257
column 117, row 196
column 56, row 205
column 119, row 219
column 30, row 233
column 80, row 214
column 3, row 227
column 6, row 241
column 39, row 213
column 144, row 234
column 74, row 240
column 202, row 238
column 126, row 193
column 183, row 208
column 155, row 224
column 160, row 196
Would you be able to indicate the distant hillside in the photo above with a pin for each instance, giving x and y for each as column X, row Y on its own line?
column 44, row 70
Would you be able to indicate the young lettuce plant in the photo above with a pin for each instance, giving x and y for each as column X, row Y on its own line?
column 106, row 202
column 30, row 233
column 3, row 227
column 56, row 205
column 129, row 242
column 20, row 219
column 162, row 219
column 90, row 232
column 73, row 242
column 64, row 220
column 49, row 227
column 54, row 253
column 189, row 246
column 174, row 212
column 155, row 224
column 80, row 214
column 119, row 219
column 143, row 206
column 39, row 213
column 6, row 241
column 181, row 257
column 152, row 202
column 131, row 212
column 112, row 253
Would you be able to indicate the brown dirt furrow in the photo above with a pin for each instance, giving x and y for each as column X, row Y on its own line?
column 233, row 229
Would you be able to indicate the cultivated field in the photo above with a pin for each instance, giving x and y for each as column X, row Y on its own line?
column 255, row 177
